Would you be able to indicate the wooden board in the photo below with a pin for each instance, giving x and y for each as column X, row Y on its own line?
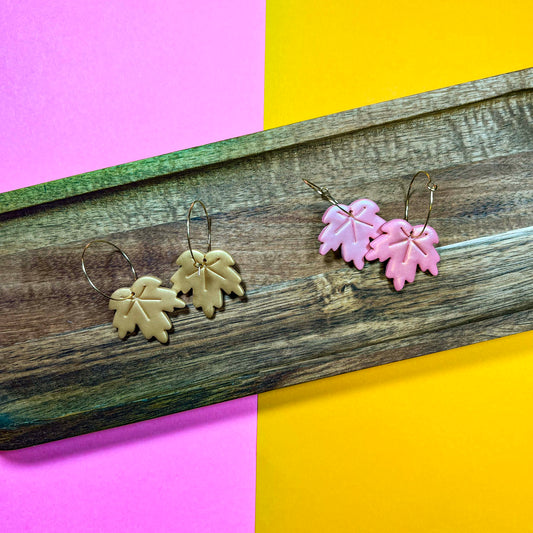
column 64, row 371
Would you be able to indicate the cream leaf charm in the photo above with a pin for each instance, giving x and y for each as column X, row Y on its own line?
column 207, row 275
column 144, row 305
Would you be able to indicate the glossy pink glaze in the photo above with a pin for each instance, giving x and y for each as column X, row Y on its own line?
column 351, row 233
column 405, row 248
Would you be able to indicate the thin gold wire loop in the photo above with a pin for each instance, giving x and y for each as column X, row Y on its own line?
column 431, row 186
column 189, row 229
column 325, row 195
column 87, row 275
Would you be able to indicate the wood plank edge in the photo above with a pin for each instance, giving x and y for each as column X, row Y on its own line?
column 115, row 416
column 269, row 140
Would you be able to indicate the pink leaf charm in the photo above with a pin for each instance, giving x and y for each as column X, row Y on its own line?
column 405, row 248
column 353, row 232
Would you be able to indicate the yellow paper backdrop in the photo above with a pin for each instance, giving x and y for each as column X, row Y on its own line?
column 435, row 444
column 328, row 56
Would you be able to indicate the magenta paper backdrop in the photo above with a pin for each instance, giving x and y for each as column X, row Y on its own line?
column 85, row 85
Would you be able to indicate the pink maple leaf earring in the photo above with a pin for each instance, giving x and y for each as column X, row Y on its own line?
column 407, row 247
column 349, row 227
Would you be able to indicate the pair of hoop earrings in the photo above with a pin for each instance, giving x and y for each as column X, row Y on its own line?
column 362, row 234
column 145, row 304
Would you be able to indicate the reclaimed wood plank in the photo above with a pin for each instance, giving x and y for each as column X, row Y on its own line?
column 305, row 316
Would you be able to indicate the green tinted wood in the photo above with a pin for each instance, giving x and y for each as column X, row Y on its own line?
column 284, row 137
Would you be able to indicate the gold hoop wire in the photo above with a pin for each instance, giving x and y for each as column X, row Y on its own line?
column 431, row 186
column 325, row 195
column 87, row 275
column 189, row 228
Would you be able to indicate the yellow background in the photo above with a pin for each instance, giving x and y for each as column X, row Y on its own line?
column 328, row 56
column 438, row 443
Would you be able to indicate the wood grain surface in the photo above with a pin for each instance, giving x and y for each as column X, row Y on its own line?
column 63, row 369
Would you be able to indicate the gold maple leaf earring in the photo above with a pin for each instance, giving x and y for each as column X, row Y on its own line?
column 142, row 305
column 206, row 274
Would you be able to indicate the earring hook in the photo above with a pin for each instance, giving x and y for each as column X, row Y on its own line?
column 431, row 186
column 87, row 275
column 189, row 229
column 325, row 195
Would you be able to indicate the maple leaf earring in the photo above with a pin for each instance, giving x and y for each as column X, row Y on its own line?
column 142, row 305
column 407, row 247
column 206, row 274
column 349, row 226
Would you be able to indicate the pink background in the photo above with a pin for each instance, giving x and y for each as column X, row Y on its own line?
column 89, row 85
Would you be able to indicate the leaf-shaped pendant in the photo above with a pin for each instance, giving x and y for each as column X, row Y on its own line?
column 144, row 305
column 207, row 275
column 406, row 248
column 352, row 232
